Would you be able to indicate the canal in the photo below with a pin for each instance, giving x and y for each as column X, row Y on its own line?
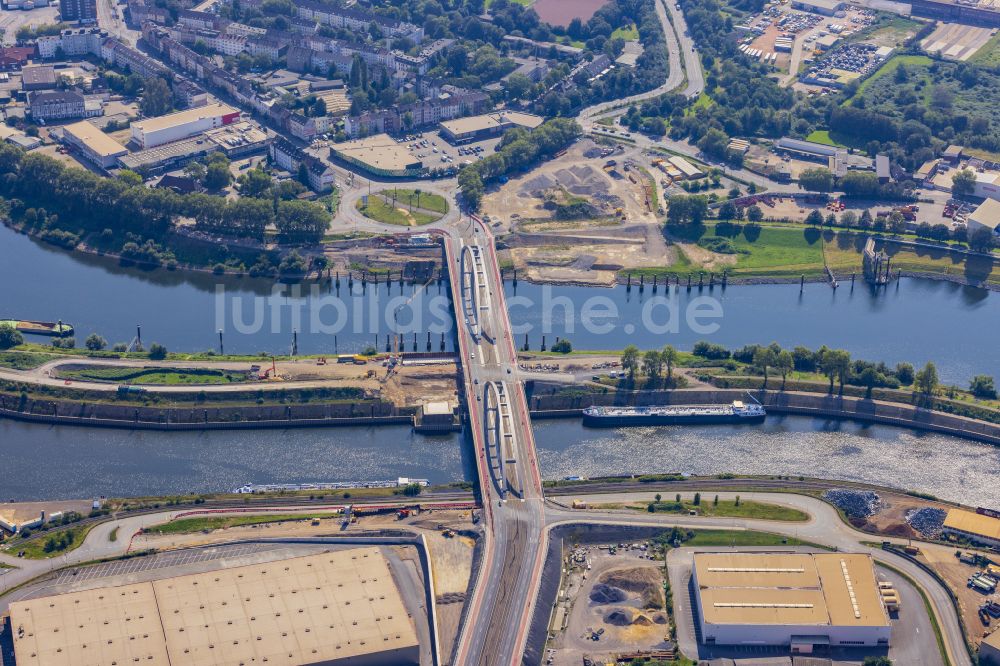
column 67, row 462
column 914, row 320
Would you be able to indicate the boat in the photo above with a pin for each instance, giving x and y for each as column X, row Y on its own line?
column 58, row 329
column 616, row 417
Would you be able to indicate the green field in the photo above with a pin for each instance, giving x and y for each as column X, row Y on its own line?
column 629, row 33
column 189, row 525
column 426, row 200
column 774, row 251
column 890, row 67
column 729, row 509
column 989, row 55
column 741, row 538
column 823, row 136
column 380, row 211
column 16, row 360
column 159, row 376
column 54, row 543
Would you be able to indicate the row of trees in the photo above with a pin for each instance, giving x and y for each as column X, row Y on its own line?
column 652, row 364
column 518, row 149
column 85, row 202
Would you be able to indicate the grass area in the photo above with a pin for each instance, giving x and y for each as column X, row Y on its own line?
column 54, row 543
column 729, row 509
column 629, row 33
column 158, row 376
column 190, row 525
column 380, row 211
column 331, row 200
column 846, row 258
column 425, row 200
column 741, row 538
column 772, row 251
column 17, row 360
column 989, row 54
column 890, row 67
column 823, row 136
column 703, row 101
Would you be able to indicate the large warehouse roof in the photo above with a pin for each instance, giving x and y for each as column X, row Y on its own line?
column 89, row 135
column 380, row 151
column 973, row 523
column 183, row 117
column 489, row 121
column 319, row 609
column 789, row 589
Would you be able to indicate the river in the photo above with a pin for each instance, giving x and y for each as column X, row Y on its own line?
column 913, row 320
column 59, row 462
column 949, row 468
column 186, row 310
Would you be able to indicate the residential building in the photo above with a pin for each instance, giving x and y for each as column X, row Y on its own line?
column 59, row 105
column 83, row 11
column 286, row 155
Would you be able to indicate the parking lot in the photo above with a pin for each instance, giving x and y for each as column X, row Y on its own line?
column 435, row 152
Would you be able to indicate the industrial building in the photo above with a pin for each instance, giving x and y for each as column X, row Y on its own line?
column 334, row 609
column 801, row 600
column 39, row 77
column 824, row 7
column 380, row 155
column 973, row 525
column 84, row 11
column 989, row 650
column 154, row 132
column 986, row 216
column 93, row 145
column 477, row 128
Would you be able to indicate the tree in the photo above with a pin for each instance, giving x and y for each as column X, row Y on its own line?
column 715, row 502
column 815, row 218
column 983, row 387
column 156, row 98
column 10, row 336
column 727, row 211
column 652, row 365
column 630, row 360
column 254, row 183
column 869, row 378
column 784, row 363
column 763, row 358
column 963, row 183
column 412, row 489
column 669, row 356
column 817, row 179
column 877, row 661
column 697, row 499
column 217, row 176
column 754, row 213
column 834, row 363
column 926, row 379
column 562, row 346
column 157, row 352
column 95, row 342
column 981, row 239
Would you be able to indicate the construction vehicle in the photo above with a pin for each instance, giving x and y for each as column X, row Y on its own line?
column 447, row 534
column 321, row 360
column 911, row 550
column 270, row 373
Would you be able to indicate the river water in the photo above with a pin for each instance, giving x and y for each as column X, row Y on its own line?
column 950, row 468
column 41, row 462
column 914, row 320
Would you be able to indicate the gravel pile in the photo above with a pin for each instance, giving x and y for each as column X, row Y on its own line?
column 928, row 521
column 855, row 503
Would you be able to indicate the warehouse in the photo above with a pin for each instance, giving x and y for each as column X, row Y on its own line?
column 978, row 527
column 154, row 132
column 380, row 155
column 477, row 128
column 801, row 600
column 332, row 609
column 989, row 650
column 94, row 145
column 824, row 7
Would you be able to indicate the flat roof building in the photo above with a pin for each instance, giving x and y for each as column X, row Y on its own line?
column 989, row 650
column 800, row 600
column 379, row 154
column 39, row 77
column 824, row 7
column 476, row 128
column 93, row 144
column 332, row 609
column 181, row 125
column 978, row 527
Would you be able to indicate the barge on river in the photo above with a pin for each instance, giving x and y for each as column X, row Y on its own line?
column 56, row 329
column 616, row 417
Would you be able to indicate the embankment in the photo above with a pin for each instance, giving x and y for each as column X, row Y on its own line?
column 543, row 403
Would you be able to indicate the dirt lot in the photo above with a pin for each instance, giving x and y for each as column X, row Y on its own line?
column 618, row 598
column 955, row 41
